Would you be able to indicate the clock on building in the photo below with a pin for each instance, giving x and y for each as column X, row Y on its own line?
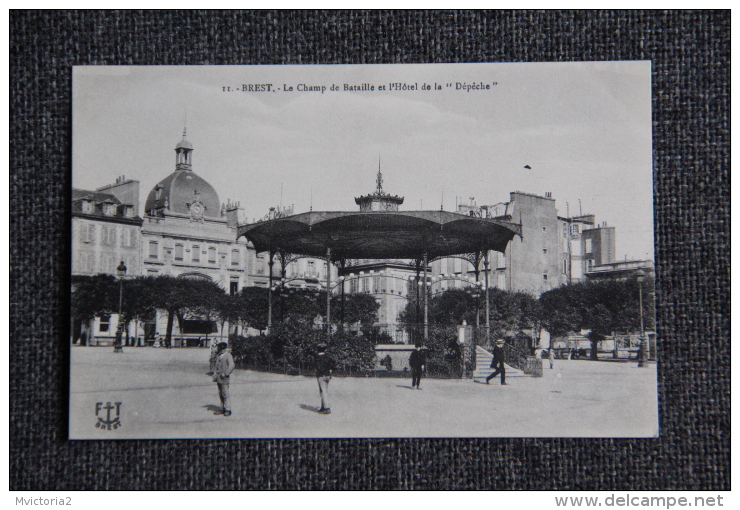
column 196, row 208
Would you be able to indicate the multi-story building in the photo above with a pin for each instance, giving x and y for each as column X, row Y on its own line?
column 552, row 251
column 188, row 233
column 185, row 232
column 106, row 230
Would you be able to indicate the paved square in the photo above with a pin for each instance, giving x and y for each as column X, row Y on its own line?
column 165, row 393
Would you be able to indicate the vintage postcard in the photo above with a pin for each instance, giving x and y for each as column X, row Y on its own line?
column 441, row 250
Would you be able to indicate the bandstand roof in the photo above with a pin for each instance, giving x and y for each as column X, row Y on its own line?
column 380, row 235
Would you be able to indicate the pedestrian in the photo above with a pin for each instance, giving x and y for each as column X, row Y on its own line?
column 417, row 361
column 224, row 367
column 551, row 356
column 498, row 363
column 324, row 367
column 212, row 358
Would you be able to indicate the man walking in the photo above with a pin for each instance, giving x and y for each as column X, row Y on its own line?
column 498, row 363
column 224, row 367
column 417, row 361
column 324, row 368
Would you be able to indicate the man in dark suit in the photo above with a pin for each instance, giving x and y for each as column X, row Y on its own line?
column 417, row 361
column 498, row 363
column 324, row 367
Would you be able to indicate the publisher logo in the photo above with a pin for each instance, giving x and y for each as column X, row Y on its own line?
column 109, row 415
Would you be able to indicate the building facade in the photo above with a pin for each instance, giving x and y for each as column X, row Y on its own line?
column 188, row 233
column 106, row 230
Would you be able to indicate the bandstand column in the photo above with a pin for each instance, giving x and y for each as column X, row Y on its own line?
column 485, row 288
column 426, row 300
column 270, row 263
column 328, row 292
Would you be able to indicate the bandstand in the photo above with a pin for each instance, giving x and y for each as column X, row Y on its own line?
column 380, row 231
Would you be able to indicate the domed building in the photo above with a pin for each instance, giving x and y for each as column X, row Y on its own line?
column 187, row 232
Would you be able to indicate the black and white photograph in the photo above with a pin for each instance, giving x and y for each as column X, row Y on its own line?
column 363, row 251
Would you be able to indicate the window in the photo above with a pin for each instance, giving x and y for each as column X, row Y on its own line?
column 234, row 287
column 212, row 254
column 574, row 229
column 153, row 249
column 81, row 261
column 109, row 235
column 565, row 266
column 589, row 246
column 311, row 268
column 130, row 263
column 128, row 237
column 109, row 264
column 365, row 285
column 376, row 283
column 353, row 286
column 544, row 276
column 179, row 251
column 104, row 323
column 109, row 209
column 87, row 206
column 87, row 233
column 196, row 253
column 234, row 257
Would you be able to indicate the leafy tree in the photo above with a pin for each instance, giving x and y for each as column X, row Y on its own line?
column 453, row 307
column 228, row 308
column 202, row 300
column 171, row 295
column 560, row 309
column 603, row 307
column 138, row 302
column 93, row 296
column 358, row 307
column 252, row 303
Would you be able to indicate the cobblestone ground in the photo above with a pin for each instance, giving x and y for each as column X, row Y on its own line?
column 166, row 393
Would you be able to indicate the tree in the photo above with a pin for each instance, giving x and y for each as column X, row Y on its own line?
column 453, row 307
column 91, row 297
column 358, row 307
column 138, row 302
column 603, row 307
column 560, row 309
column 252, row 303
column 228, row 309
column 202, row 299
column 169, row 294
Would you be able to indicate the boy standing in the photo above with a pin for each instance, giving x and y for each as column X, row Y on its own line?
column 224, row 367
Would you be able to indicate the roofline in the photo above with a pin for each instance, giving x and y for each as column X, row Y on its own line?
column 136, row 220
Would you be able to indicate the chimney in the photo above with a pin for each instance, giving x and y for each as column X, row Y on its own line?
column 234, row 214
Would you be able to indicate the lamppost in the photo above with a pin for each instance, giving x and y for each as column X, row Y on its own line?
column 642, row 349
column 118, row 345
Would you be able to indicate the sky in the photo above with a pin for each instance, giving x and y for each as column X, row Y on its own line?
column 584, row 129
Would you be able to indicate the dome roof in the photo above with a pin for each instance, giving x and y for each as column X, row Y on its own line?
column 180, row 189
column 184, row 144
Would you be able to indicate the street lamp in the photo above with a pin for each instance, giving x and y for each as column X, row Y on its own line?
column 642, row 349
column 118, row 345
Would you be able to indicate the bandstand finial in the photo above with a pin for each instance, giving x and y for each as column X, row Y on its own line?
column 379, row 180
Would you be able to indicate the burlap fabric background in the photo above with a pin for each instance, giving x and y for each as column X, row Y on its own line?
column 691, row 100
